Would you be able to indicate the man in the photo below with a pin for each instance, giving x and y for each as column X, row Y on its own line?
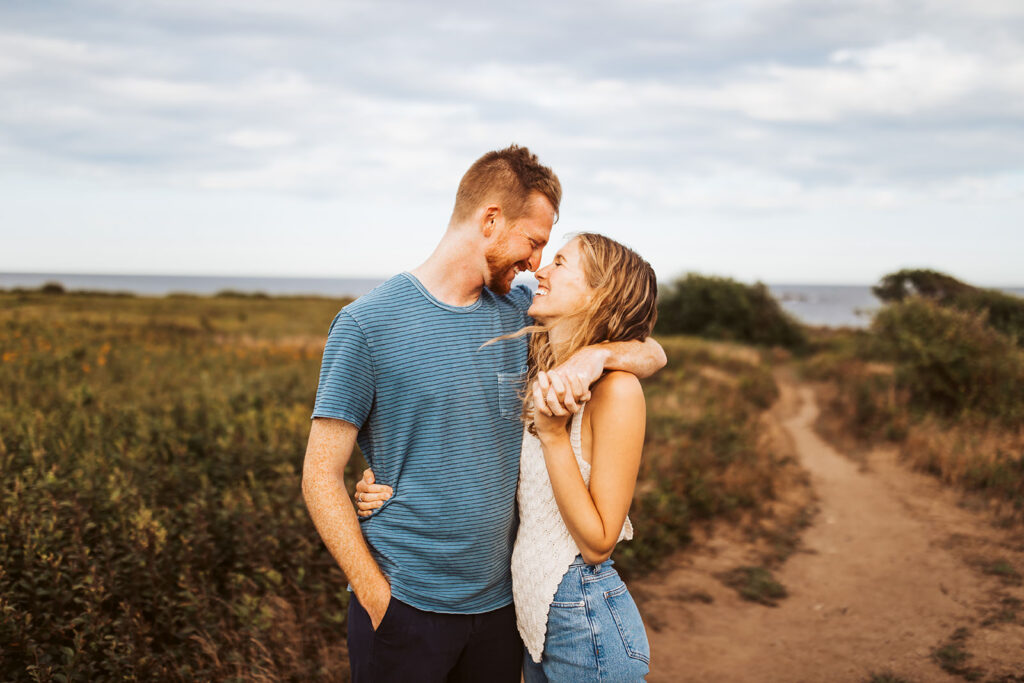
column 436, row 414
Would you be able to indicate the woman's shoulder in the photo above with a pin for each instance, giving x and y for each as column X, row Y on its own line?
column 616, row 388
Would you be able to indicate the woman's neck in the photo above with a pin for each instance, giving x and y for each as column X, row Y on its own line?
column 559, row 335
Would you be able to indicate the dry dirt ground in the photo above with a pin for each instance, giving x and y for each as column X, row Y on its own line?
column 895, row 574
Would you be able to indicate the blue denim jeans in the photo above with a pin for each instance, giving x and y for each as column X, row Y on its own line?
column 594, row 630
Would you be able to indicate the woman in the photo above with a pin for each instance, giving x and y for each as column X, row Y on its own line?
column 578, row 472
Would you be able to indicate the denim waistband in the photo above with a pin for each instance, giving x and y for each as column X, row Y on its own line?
column 579, row 562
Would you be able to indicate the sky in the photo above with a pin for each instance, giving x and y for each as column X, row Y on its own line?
column 797, row 141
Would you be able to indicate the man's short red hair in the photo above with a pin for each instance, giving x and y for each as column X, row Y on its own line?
column 506, row 177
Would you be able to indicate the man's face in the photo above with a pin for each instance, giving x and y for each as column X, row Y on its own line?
column 519, row 245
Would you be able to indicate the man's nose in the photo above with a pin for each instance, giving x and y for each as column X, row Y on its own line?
column 534, row 263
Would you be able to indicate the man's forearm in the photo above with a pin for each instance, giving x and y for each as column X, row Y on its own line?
column 642, row 359
column 335, row 519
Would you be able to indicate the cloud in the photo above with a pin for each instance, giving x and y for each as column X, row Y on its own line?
column 899, row 79
column 735, row 107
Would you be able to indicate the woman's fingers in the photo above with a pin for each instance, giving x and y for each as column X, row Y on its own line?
column 555, row 404
column 366, row 509
column 542, row 380
column 370, row 496
column 539, row 403
column 366, row 485
column 383, row 494
column 366, row 503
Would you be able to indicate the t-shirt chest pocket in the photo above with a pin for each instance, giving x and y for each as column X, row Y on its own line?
column 510, row 388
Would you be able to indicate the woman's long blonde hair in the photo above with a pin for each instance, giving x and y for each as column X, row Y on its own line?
column 623, row 308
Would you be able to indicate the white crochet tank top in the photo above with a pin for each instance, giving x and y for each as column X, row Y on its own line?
column 544, row 548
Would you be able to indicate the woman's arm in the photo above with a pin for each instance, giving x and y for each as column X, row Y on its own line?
column 618, row 415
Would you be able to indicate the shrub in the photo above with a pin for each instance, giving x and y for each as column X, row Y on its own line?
column 721, row 308
column 1005, row 312
column 951, row 361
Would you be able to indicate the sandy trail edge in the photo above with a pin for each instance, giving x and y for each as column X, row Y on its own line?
column 889, row 569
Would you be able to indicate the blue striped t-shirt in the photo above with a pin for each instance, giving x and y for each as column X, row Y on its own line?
column 438, row 421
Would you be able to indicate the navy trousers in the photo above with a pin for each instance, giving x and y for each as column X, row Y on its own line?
column 413, row 645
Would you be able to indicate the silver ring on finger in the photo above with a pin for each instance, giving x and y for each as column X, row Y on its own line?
column 359, row 497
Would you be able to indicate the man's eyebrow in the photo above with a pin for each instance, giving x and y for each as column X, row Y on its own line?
column 539, row 241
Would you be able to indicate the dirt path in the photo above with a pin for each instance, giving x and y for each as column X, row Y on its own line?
column 889, row 570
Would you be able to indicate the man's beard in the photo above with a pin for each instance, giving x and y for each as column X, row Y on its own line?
column 498, row 266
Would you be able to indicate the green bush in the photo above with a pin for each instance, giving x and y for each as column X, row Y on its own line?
column 721, row 308
column 950, row 361
column 1005, row 312
column 151, row 519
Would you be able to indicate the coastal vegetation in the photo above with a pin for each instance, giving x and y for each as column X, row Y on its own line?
column 151, row 520
column 938, row 375
column 150, row 523
column 1004, row 312
column 722, row 308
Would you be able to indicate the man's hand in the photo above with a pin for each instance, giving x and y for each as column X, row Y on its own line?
column 570, row 381
column 376, row 602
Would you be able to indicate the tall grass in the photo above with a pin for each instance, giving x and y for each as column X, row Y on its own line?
column 151, row 520
column 150, row 523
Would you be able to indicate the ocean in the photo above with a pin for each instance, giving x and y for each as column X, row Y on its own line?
column 825, row 305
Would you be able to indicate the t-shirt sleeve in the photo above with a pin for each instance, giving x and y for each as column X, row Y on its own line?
column 346, row 388
column 521, row 297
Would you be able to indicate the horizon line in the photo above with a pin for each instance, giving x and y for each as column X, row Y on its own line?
column 378, row 278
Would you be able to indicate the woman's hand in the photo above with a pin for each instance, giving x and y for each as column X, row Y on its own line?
column 370, row 496
column 550, row 394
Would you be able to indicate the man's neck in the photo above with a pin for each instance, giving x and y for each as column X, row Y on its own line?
column 453, row 272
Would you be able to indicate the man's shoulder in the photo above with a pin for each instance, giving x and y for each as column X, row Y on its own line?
column 385, row 296
column 519, row 297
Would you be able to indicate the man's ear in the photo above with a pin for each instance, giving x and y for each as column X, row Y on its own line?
column 490, row 218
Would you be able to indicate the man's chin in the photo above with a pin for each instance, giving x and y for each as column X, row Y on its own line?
column 501, row 287
column 501, row 284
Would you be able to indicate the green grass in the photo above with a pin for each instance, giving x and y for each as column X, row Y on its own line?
column 151, row 523
column 755, row 584
column 1004, row 570
column 953, row 656
column 151, row 519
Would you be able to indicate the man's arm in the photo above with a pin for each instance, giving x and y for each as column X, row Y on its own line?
column 642, row 359
column 572, row 379
column 323, row 486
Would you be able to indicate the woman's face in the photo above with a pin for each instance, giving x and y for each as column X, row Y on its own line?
column 562, row 288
